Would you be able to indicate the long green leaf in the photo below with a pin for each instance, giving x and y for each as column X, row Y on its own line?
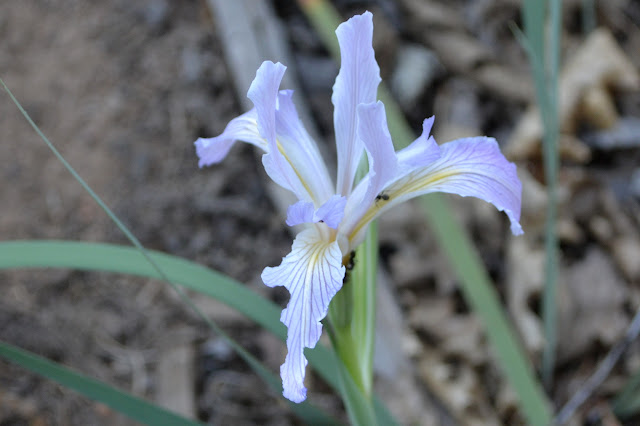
column 127, row 260
column 544, row 56
column 136, row 408
column 304, row 410
column 359, row 408
column 627, row 402
column 111, row 258
column 475, row 281
column 481, row 295
column 320, row 355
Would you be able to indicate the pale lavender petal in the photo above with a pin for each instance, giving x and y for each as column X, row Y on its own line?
column 264, row 94
column 243, row 128
column 357, row 83
column 301, row 151
column 383, row 163
column 300, row 212
column 332, row 211
column 468, row 167
column 421, row 152
column 313, row 274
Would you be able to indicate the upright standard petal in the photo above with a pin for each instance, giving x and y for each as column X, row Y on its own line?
column 301, row 151
column 357, row 83
column 313, row 274
column 468, row 167
column 292, row 160
column 383, row 163
column 264, row 94
column 243, row 128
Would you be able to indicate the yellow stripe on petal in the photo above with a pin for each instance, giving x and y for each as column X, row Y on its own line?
column 313, row 274
column 472, row 167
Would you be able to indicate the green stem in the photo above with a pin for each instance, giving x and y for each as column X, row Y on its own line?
column 364, row 299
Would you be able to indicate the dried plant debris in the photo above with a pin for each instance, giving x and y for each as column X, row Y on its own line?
column 114, row 86
column 587, row 84
column 591, row 305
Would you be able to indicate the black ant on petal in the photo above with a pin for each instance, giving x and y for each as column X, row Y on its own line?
column 382, row 196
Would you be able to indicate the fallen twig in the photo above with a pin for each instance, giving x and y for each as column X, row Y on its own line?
column 605, row 367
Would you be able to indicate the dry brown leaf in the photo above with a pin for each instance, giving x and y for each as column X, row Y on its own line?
column 175, row 378
column 598, row 108
column 457, row 335
column 432, row 15
column 619, row 234
column 599, row 65
column 458, row 387
column 591, row 298
column 626, row 254
column 458, row 51
column 505, row 82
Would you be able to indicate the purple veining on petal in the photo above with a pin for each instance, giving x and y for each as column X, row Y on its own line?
column 468, row 167
column 313, row 274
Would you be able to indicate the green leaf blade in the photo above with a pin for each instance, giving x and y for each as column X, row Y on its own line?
column 136, row 408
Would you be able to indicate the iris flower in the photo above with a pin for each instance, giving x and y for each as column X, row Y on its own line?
column 336, row 216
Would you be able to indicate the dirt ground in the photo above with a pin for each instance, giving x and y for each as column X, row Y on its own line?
column 124, row 88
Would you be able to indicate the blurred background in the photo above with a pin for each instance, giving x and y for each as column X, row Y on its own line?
column 124, row 88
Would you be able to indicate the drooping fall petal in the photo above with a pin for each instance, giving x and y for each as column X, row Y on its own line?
column 313, row 274
column 470, row 167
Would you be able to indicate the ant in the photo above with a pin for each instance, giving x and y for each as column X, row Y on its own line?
column 349, row 266
column 382, row 196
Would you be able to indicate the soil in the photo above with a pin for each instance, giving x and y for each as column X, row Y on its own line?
column 124, row 88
